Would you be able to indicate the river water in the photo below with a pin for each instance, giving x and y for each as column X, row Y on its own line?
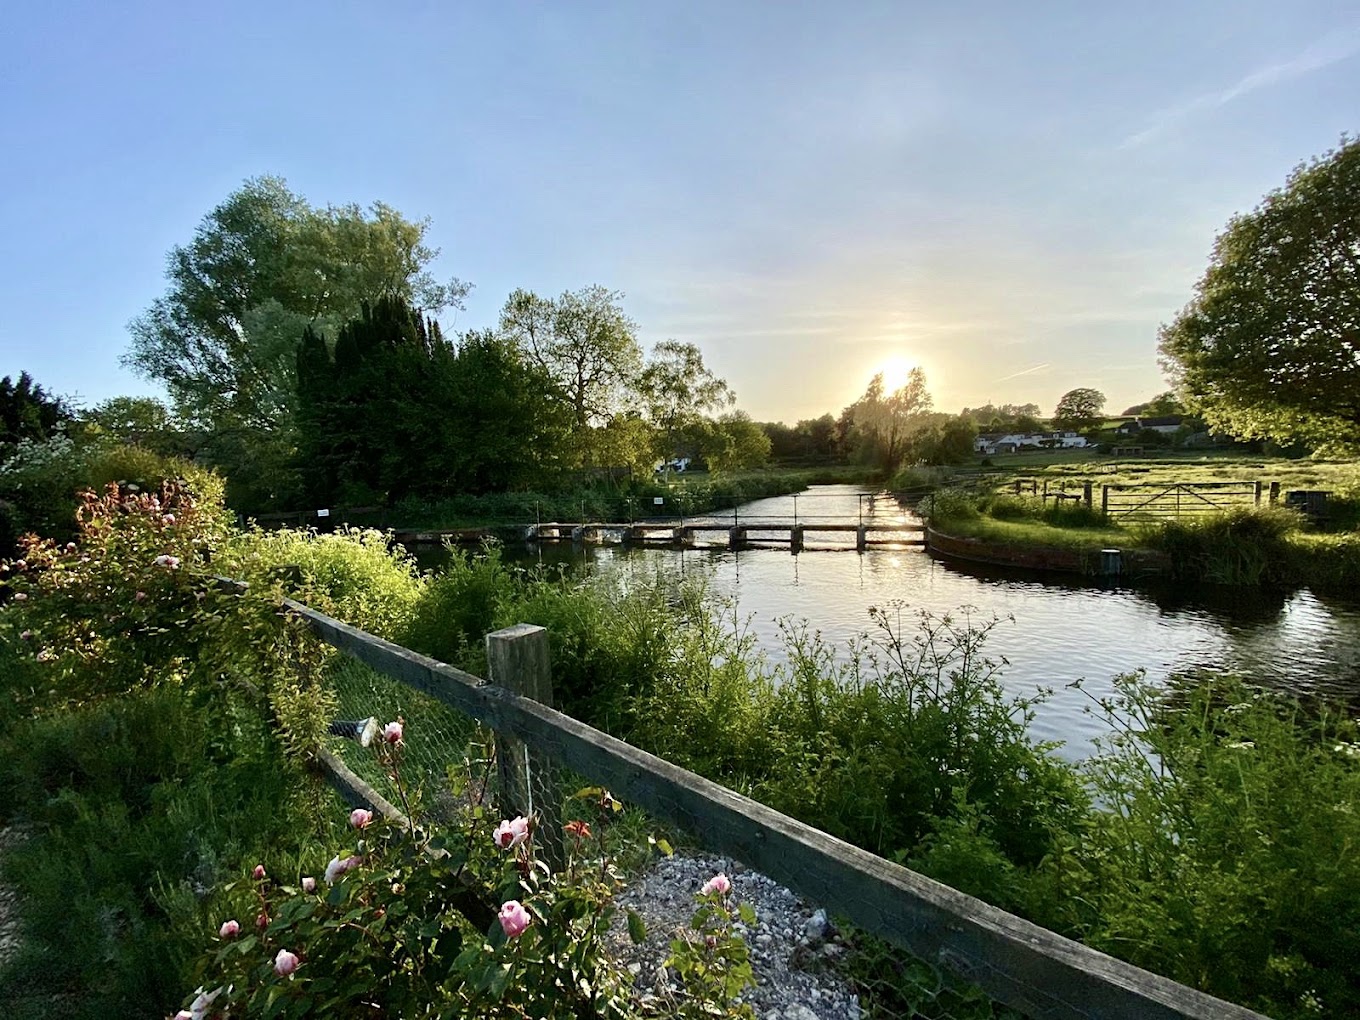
column 1053, row 630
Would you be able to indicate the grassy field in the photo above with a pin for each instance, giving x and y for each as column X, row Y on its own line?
column 1075, row 467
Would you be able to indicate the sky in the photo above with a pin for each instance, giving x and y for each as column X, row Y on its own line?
column 1011, row 196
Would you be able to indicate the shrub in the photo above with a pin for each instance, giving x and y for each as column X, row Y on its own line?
column 1246, row 546
column 1221, row 850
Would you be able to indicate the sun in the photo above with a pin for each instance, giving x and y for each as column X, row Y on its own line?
column 895, row 370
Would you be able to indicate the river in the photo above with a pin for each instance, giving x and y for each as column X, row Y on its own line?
column 1053, row 630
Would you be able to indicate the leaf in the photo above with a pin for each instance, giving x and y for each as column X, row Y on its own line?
column 637, row 928
column 747, row 913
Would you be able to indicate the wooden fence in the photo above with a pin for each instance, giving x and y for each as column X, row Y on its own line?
column 1017, row 963
column 1177, row 499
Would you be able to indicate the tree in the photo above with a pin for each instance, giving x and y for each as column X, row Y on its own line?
column 734, row 443
column 1161, row 405
column 1269, row 347
column 1079, row 409
column 677, row 388
column 27, row 411
column 585, row 344
column 261, row 268
column 885, row 422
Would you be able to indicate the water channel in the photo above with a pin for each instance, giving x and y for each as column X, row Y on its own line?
column 1062, row 629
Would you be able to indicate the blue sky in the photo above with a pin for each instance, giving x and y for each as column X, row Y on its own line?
column 1012, row 195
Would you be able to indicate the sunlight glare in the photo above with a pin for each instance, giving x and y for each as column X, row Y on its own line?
column 895, row 371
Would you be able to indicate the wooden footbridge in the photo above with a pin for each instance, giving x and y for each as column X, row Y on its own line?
column 739, row 535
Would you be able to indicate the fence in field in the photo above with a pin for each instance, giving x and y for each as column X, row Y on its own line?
column 1028, row 968
column 1153, row 500
column 1180, row 499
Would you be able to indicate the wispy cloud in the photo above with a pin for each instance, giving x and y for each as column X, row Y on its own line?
column 1027, row 371
column 1331, row 49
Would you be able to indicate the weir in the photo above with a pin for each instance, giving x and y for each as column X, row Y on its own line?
column 739, row 535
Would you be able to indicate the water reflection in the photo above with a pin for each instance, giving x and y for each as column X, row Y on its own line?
column 1053, row 630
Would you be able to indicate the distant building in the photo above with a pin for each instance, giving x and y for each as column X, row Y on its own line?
column 1168, row 424
column 989, row 443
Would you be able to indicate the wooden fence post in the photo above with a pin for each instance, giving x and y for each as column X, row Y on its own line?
column 1257, row 493
column 517, row 660
column 1105, row 500
column 1086, row 494
column 1274, row 493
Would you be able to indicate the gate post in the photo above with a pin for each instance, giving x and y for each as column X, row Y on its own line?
column 517, row 660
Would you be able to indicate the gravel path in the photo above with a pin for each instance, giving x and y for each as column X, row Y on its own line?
column 793, row 947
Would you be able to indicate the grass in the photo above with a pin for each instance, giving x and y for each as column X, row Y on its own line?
column 1038, row 533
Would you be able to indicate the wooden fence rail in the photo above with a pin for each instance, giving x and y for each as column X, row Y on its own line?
column 1017, row 963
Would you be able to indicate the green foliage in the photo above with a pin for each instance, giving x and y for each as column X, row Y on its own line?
column 28, row 412
column 354, row 574
column 1079, row 409
column 1265, row 349
column 1246, row 546
column 396, row 410
column 711, row 959
column 1221, row 853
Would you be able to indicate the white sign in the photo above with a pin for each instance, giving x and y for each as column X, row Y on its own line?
column 658, row 500
column 323, row 513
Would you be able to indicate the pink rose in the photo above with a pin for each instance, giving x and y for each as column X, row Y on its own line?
column 511, row 833
column 337, row 867
column 262, row 921
column 309, row 884
column 258, row 873
column 168, row 519
column 229, row 929
column 360, row 818
column 70, row 547
column 392, row 733
column 184, row 1014
column 285, row 963
column 719, row 883
column 140, row 596
column 514, row 918
column 26, row 635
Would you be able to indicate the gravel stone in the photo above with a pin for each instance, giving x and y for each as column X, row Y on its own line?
column 792, row 983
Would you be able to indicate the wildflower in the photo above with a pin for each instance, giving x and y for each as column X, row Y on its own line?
column 360, row 818
column 168, row 519
column 1349, row 750
column 167, row 561
column 511, row 833
column 719, row 883
column 70, row 547
column 20, row 597
column 392, row 733
column 514, row 918
column 140, row 596
column 258, row 873
column 285, row 963
column 579, row 829
column 25, row 635
column 229, row 929
column 309, row 884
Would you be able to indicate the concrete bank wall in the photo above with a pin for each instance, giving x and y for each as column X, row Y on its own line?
column 1090, row 563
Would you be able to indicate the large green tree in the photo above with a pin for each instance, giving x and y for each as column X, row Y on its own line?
column 677, row 388
column 262, row 267
column 395, row 410
column 1269, row 348
column 584, row 342
column 1079, row 409
column 885, row 422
